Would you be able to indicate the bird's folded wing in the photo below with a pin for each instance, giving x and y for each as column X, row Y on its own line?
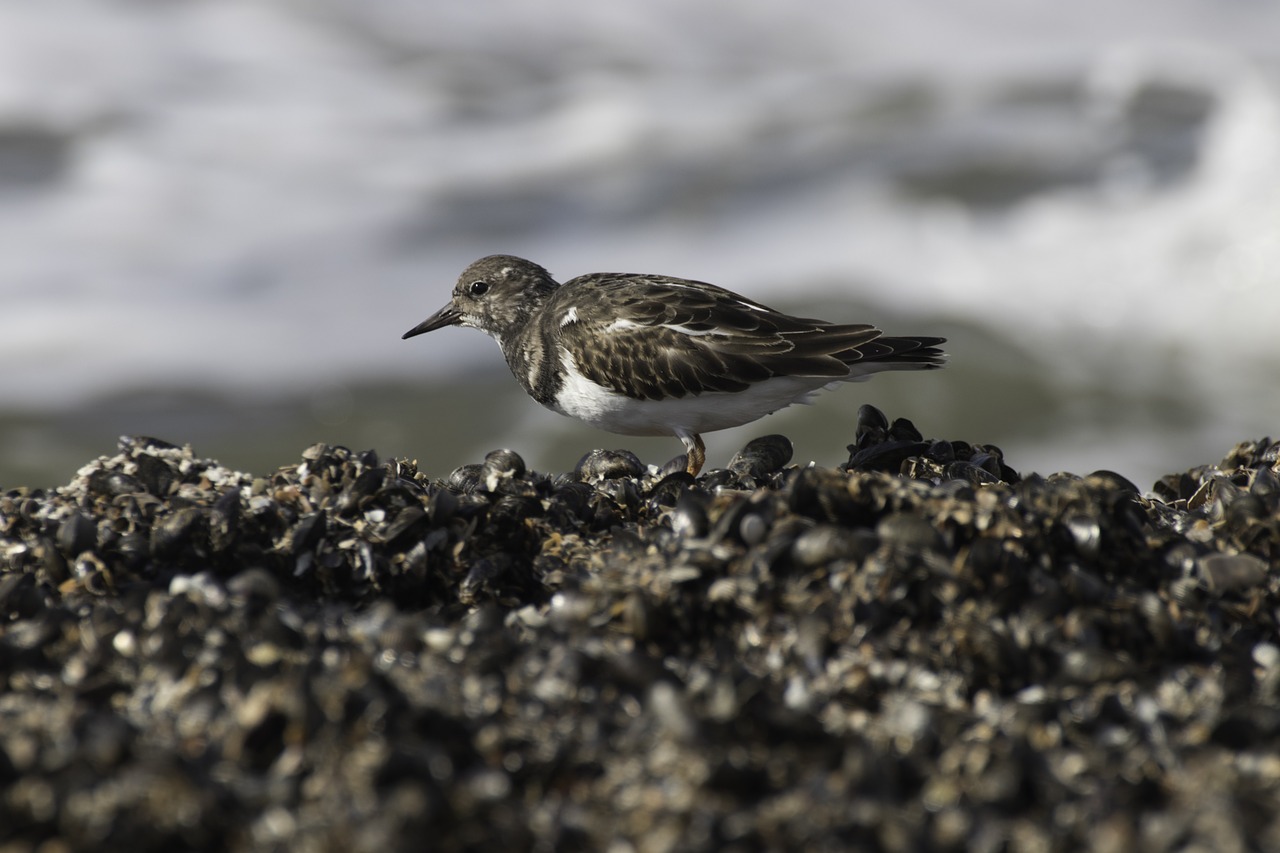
column 673, row 339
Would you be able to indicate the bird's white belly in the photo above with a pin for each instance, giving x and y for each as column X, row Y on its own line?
column 583, row 399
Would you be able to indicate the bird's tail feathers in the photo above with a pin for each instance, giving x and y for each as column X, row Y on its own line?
column 882, row 354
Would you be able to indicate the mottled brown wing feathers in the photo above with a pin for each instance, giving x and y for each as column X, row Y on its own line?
column 654, row 338
column 654, row 363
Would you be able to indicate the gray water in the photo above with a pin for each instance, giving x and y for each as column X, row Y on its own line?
column 216, row 218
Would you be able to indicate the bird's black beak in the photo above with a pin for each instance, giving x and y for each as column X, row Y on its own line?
column 446, row 316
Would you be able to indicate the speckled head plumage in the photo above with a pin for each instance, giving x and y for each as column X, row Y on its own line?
column 496, row 294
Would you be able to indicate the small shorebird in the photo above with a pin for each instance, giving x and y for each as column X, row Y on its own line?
column 652, row 355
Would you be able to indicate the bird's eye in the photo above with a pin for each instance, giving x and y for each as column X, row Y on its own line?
column 478, row 288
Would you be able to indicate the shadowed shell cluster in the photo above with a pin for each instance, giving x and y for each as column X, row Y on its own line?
column 921, row 649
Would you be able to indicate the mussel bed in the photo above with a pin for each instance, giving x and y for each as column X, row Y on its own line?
column 920, row 649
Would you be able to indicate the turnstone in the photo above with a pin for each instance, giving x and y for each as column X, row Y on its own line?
column 653, row 355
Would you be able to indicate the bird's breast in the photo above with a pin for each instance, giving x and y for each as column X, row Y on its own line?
column 527, row 356
column 581, row 398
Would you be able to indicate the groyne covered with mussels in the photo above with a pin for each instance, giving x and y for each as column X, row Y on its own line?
column 920, row 649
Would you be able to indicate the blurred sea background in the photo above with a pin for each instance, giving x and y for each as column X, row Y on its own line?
column 218, row 217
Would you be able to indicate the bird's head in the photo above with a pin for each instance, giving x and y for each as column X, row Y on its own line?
column 495, row 295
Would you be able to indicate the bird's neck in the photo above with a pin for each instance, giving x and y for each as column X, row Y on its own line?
column 531, row 353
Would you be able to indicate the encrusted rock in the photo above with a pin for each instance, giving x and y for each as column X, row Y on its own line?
column 922, row 650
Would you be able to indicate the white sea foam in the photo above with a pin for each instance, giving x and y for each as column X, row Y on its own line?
column 256, row 196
